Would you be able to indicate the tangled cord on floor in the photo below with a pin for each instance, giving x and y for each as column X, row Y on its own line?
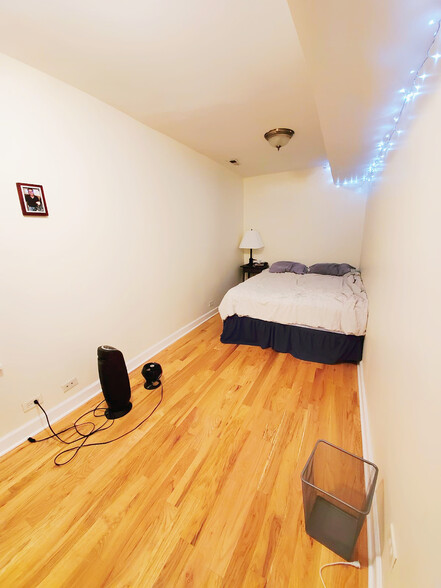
column 83, row 437
column 354, row 564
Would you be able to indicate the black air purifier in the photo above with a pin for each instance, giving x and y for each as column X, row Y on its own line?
column 114, row 381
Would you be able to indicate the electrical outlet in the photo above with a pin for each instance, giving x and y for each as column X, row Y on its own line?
column 392, row 547
column 210, row 303
column 30, row 404
column 70, row 384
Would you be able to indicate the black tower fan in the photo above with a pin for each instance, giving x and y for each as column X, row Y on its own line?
column 114, row 381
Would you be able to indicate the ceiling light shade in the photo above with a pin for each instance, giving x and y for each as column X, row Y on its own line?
column 279, row 137
column 251, row 240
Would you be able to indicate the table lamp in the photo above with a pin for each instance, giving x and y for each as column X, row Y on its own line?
column 251, row 240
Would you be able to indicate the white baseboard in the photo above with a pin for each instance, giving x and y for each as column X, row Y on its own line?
column 31, row 428
column 154, row 349
column 373, row 527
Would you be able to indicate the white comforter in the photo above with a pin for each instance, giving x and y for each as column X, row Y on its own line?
column 333, row 303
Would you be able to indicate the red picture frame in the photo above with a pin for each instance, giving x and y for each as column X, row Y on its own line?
column 32, row 200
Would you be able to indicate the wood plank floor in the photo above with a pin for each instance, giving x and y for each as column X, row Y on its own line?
column 207, row 492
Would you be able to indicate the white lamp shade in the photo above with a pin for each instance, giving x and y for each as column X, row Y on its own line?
column 251, row 240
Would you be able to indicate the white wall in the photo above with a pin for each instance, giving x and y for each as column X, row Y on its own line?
column 302, row 216
column 400, row 265
column 142, row 233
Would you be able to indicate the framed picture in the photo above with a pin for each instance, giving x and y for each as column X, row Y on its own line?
column 32, row 200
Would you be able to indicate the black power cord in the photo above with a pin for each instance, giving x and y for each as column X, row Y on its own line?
column 75, row 426
column 83, row 437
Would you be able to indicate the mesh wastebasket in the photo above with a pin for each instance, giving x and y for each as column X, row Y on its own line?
column 338, row 488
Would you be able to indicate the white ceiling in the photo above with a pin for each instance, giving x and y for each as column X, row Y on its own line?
column 216, row 75
column 359, row 54
column 213, row 75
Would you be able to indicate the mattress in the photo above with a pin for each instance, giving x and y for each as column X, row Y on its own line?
column 332, row 303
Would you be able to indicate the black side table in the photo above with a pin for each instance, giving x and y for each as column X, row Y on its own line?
column 253, row 270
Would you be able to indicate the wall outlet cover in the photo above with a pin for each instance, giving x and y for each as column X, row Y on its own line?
column 70, row 384
column 392, row 547
column 30, row 404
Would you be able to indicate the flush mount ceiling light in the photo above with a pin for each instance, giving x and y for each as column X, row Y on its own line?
column 279, row 137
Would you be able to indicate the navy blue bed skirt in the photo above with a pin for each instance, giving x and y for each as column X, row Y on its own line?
column 303, row 343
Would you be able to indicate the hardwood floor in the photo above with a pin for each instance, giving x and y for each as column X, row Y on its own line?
column 207, row 492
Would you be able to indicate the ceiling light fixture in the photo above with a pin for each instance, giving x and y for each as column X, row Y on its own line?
column 279, row 137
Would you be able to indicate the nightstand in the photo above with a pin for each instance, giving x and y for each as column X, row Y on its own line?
column 253, row 270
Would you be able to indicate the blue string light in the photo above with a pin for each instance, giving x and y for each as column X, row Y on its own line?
column 408, row 95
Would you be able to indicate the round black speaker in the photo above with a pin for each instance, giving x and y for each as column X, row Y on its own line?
column 152, row 373
column 114, row 381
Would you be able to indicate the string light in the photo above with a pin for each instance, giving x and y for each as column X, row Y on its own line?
column 408, row 95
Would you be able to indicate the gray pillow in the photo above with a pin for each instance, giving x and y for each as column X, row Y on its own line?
column 331, row 269
column 298, row 268
column 280, row 267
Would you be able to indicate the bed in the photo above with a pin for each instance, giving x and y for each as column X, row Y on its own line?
column 315, row 317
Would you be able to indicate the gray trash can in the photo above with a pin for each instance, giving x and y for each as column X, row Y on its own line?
column 338, row 488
